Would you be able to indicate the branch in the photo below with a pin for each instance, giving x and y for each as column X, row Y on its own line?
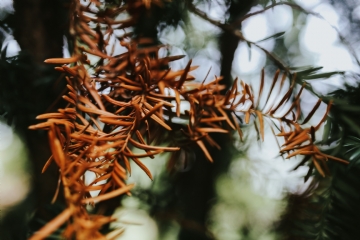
column 237, row 22
column 292, row 5
column 238, row 33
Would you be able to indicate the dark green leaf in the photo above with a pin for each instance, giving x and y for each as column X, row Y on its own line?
column 308, row 71
column 321, row 75
column 277, row 35
column 351, row 123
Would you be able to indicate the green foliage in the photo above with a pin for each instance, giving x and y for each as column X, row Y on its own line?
column 329, row 209
column 345, row 111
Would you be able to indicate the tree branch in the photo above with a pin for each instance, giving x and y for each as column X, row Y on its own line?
column 238, row 33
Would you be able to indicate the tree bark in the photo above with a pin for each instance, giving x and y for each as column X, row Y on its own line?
column 38, row 27
column 197, row 187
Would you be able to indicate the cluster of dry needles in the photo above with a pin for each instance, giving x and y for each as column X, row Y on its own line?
column 132, row 102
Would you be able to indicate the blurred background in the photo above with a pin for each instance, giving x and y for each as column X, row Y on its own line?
column 250, row 191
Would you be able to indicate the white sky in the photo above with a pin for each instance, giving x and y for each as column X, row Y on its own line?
column 317, row 38
column 5, row 6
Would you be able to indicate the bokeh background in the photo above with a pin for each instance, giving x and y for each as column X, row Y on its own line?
column 246, row 193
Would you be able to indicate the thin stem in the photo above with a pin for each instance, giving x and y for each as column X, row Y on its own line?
column 238, row 33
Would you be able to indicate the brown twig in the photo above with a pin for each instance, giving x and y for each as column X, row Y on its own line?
column 231, row 29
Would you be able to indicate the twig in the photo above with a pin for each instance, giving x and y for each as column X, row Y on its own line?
column 238, row 33
column 237, row 22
